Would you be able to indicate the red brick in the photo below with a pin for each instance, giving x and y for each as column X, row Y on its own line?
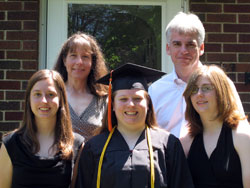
column 21, row 15
column 243, row 1
column 1, row 34
column 9, row 64
column 1, row 95
column 198, row 1
column 13, row 116
column 244, row 38
column 22, row 35
column 236, row 47
column 10, row 6
column 236, row 27
column 2, row 55
column 15, row 85
column 10, row 25
column 244, row 18
column 19, row 75
column 245, row 97
column 243, row 88
column 30, row 65
column 242, row 67
column 30, row 25
column 229, row 67
column 9, row 105
column 246, row 107
column 8, row 126
column 31, row 6
column 22, row 55
column 2, row 16
column 10, row 45
column 241, row 77
column 212, row 47
column 221, row 1
column 30, row 45
column 1, row 74
column 212, row 27
column 15, row 95
column 206, row 8
column 237, row 8
column 221, row 57
column 24, row 85
column 221, row 18
column 221, row 37
column 244, row 57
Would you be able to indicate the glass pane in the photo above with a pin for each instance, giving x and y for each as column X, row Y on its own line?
column 126, row 33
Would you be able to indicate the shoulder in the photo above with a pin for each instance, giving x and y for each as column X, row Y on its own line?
column 78, row 139
column 241, row 135
column 163, row 80
column 97, row 142
column 9, row 138
column 161, row 137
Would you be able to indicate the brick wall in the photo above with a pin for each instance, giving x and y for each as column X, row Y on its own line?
column 227, row 24
column 18, row 57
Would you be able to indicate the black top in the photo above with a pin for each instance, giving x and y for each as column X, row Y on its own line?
column 222, row 169
column 32, row 171
column 123, row 168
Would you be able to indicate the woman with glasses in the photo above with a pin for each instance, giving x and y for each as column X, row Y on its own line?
column 218, row 141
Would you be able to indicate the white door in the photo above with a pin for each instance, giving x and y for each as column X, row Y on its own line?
column 150, row 18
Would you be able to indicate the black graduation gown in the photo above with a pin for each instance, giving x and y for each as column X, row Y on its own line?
column 131, row 169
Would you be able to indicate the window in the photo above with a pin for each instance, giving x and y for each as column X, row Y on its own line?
column 128, row 31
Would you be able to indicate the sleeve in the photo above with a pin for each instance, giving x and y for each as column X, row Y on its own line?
column 178, row 174
column 86, row 168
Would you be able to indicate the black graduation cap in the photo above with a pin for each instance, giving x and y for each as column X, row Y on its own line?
column 130, row 76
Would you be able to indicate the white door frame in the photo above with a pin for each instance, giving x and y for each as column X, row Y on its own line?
column 53, row 25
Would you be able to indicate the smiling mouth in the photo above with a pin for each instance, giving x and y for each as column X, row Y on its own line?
column 131, row 113
column 44, row 109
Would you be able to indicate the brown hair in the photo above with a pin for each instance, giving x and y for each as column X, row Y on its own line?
column 227, row 108
column 63, row 129
column 150, row 117
column 98, row 69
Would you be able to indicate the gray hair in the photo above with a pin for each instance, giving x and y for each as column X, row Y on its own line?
column 186, row 23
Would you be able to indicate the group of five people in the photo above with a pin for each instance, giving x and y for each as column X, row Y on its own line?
column 207, row 139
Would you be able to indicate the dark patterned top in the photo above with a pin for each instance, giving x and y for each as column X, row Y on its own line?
column 91, row 117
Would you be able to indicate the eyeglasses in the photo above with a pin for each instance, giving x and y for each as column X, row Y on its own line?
column 206, row 88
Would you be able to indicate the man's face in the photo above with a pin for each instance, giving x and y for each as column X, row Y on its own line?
column 184, row 50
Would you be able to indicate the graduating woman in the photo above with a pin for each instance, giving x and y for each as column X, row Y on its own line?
column 41, row 152
column 131, row 151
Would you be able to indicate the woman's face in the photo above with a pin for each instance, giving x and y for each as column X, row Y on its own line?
column 79, row 61
column 44, row 100
column 131, row 108
column 203, row 98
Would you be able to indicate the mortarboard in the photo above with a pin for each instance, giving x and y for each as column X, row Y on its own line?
column 128, row 76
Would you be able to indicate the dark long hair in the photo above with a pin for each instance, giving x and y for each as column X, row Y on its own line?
column 98, row 69
column 63, row 129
